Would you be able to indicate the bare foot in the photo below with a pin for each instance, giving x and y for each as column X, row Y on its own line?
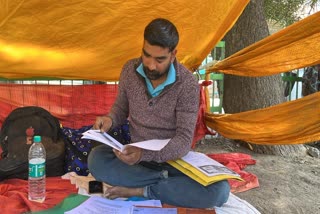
column 122, row 192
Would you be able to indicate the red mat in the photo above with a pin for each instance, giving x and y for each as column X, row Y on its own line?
column 14, row 195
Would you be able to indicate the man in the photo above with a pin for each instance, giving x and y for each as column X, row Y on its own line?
column 311, row 80
column 310, row 85
column 160, row 98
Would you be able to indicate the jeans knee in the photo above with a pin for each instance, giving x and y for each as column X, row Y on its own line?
column 217, row 195
column 96, row 159
column 92, row 161
column 221, row 193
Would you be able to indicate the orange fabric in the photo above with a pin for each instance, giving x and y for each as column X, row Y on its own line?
column 288, row 123
column 14, row 195
column 296, row 46
column 80, row 39
column 90, row 43
column 75, row 106
column 291, row 122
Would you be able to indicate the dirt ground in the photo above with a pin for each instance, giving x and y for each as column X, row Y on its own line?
column 288, row 185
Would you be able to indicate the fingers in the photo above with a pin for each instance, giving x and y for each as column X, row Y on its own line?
column 129, row 156
column 127, row 150
column 98, row 123
column 103, row 123
column 110, row 193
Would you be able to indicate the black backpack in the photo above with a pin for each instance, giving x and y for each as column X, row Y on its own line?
column 14, row 142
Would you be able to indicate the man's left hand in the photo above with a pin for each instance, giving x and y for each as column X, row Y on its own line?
column 130, row 155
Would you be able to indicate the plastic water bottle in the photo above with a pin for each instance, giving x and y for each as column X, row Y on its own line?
column 37, row 171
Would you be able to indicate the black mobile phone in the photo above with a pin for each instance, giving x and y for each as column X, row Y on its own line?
column 95, row 187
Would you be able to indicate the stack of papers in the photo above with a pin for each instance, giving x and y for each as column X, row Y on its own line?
column 97, row 205
column 203, row 169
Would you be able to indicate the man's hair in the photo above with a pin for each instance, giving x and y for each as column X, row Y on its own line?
column 163, row 33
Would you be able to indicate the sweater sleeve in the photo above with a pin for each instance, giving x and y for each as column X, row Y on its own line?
column 120, row 108
column 186, row 118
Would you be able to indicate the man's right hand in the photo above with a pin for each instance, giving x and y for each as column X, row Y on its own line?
column 103, row 123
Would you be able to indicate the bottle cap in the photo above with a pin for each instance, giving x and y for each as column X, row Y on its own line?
column 37, row 139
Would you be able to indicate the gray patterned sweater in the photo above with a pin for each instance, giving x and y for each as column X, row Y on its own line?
column 172, row 114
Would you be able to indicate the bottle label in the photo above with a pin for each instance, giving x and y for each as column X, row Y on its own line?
column 37, row 168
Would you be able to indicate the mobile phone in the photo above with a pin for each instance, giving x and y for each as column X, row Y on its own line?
column 95, row 187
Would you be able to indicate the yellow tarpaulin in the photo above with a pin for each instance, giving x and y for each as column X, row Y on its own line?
column 80, row 39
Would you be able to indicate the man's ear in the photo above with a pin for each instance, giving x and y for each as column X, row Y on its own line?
column 173, row 55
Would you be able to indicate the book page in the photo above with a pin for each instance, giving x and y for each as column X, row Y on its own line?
column 154, row 144
column 207, row 165
column 103, row 138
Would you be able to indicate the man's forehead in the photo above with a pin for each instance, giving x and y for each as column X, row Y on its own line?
column 156, row 54
column 147, row 45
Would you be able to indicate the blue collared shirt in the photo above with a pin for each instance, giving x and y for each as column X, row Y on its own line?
column 171, row 78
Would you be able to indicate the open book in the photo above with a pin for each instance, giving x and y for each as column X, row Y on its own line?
column 203, row 169
column 154, row 145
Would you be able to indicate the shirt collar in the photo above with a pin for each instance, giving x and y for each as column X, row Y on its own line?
column 171, row 78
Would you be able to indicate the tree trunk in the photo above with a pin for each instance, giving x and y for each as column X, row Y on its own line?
column 250, row 93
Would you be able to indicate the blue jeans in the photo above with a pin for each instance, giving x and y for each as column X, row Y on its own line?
column 160, row 181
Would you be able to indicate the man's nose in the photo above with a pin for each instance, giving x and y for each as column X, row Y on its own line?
column 151, row 64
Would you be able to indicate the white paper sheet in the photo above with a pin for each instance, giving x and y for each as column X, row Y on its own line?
column 207, row 165
column 154, row 144
column 98, row 205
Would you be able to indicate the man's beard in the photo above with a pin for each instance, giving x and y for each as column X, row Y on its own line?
column 154, row 74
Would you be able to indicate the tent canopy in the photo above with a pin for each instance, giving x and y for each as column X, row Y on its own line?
column 79, row 39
